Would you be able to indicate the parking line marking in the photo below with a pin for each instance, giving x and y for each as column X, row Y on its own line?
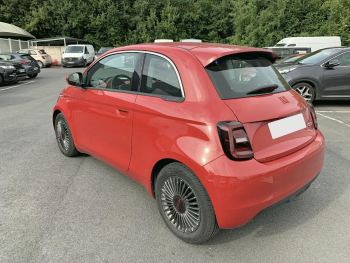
column 333, row 119
column 333, row 111
column 22, row 84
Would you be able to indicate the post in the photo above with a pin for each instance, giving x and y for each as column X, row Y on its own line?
column 10, row 45
column 20, row 44
column 64, row 41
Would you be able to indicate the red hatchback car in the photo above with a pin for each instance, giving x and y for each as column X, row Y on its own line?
column 212, row 131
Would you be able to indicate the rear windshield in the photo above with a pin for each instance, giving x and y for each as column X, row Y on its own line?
column 242, row 75
column 74, row 49
column 26, row 56
column 41, row 51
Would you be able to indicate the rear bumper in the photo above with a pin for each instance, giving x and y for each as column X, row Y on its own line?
column 31, row 70
column 240, row 190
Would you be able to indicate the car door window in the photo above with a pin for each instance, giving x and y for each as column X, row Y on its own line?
column 344, row 59
column 159, row 77
column 115, row 72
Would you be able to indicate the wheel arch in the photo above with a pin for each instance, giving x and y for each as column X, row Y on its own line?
column 157, row 168
column 311, row 82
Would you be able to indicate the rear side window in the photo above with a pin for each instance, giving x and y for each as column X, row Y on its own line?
column 240, row 76
column 159, row 77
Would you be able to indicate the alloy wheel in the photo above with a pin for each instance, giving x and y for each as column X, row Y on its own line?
column 180, row 205
column 306, row 92
column 63, row 135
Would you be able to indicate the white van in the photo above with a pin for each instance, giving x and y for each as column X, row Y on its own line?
column 315, row 43
column 78, row 55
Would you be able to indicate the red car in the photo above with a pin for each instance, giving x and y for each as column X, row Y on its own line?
column 212, row 131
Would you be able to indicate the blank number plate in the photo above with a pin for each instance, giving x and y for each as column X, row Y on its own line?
column 287, row 125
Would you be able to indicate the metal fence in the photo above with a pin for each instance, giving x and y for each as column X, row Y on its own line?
column 13, row 45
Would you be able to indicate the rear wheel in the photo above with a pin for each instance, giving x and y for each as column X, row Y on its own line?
column 33, row 76
column 184, row 204
column 64, row 137
column 306, row 90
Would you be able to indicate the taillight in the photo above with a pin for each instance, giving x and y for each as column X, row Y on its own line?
column 313, row 115
column 234, row 140
column 24, row 62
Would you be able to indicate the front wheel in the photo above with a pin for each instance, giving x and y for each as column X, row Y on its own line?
column 306, row 91
column 184, row 204
column 64, row 137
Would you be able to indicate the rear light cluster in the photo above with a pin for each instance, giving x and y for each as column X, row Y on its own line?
column 234, row 140
column 313, row 115
column 24, row 62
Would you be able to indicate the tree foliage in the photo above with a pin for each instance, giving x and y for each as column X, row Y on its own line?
column 119, row 22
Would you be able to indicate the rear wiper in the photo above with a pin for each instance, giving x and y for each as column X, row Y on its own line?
column 264, row 89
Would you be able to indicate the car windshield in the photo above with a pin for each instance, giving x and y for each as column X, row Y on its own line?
column 240, row 76
column 317, row 56
column 290, row 59
column 74, row 49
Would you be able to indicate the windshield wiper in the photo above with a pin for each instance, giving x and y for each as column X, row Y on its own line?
column 264, row 89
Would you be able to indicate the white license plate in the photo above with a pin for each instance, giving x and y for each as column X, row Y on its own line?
column 287, row 125
column 22, row 70
column 35, row 68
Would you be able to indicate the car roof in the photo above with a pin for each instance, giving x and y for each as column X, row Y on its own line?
column 206, row 53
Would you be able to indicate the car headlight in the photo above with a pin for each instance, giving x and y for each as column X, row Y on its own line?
column 286, row 70
column 7, row 67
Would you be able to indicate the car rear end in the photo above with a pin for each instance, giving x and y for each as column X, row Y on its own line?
column 45, row 58
column 29, row 63
column 273, row 148
column 7, row 73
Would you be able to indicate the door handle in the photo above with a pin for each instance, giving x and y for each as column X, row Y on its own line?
column 123, row 111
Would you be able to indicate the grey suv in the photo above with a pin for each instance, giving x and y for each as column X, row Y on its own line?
column 323, row 74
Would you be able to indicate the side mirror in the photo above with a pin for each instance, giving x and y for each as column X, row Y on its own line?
column 332, row 63
column 75, row 79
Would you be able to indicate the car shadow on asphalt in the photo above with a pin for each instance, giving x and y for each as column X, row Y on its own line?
column 327, row 188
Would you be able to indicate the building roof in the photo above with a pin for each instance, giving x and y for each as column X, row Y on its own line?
column 12, row 31
column 58, row 41
column 206, row 53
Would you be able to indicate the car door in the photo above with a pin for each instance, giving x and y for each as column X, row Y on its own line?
column 337, row 79
column 103, row 114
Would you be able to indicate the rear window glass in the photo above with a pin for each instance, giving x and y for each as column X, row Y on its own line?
column 26, row 56
column 41, row 51
column 244, row 75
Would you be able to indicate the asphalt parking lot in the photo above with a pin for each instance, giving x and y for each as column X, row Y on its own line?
column 59, row 209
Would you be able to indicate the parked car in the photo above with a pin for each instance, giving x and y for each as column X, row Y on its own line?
column 288, row 60
column 212, row 131
column 324, row 74
column 7, row 73
column 102, row 50
column 7, row 66
column 42, row 58
column 30, row 65
column 78, row 55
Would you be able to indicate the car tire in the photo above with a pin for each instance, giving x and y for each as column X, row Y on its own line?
column 1, row 80
column 184, row 204
column 33, row 76
column 41, row 64
column 306, row 90
column 64, row 137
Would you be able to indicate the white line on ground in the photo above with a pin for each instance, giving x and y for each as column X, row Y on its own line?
column 22, row 84
column 333, row 111
column 333, row 119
